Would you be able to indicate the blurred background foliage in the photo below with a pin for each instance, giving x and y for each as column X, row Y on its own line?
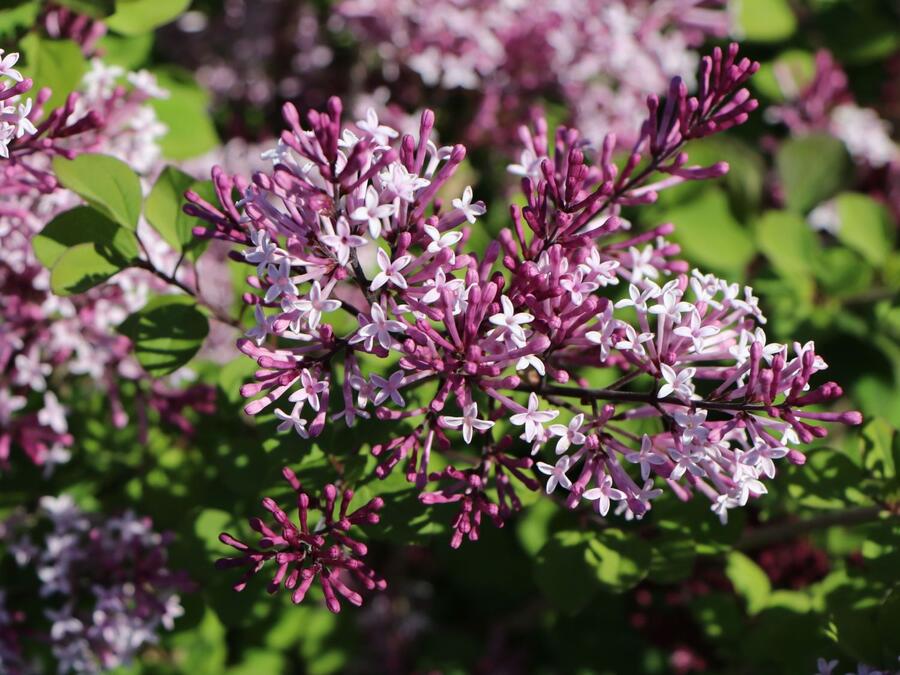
column 809, row 571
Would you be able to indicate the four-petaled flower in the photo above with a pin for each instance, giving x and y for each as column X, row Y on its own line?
column 379, row 327
column 468, row 422
column 372, row 212
column 602, row 494
column 557, row 473
column 469, row 210
column 281, row 282
column 390, row 270
column 569, row 435
column 266, row 252
column 309, row 390
column 317, row 303
column 264, row 326
column 388, row 388
column 532, row 418
column 341, row 240
column 510, row 322
column 678, row 384
column 292, row 421
column 380, row 133
column 443, row 240
column 647, row 457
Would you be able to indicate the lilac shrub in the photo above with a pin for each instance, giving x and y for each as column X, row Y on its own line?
column 495, row 349
column 104, row 584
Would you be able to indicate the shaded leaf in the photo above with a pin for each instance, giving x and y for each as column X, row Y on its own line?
column 812, row 168
column 166, row 333
column 83, row 225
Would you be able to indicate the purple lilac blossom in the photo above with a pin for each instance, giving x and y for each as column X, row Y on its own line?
column 495, row 337
column 105, row 584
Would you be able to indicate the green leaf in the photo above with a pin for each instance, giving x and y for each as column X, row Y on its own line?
column 812, row 168
column 709, row 233
column 83, row 225
column 21, row 16
column 97, row 9
column 133, row 17
column 861, row 31
column 842, row 272
column 129, row 52
column 789, row 243
column 748, row 580
column 619, row 560
column 163, row 210
column 104, row 182
column 80, row 268
column 765, row 20
column 57, row 64
column 186, row 114
column 879, row 442
column 674, row 553
column 562, row 573
column 865, row 226
column 166, row 333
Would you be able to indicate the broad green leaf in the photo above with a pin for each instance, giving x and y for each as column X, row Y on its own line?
column 842, row 272
column 96, row 9
column 133, row 17
column 203, row 650
column 709, row 233
column 879, row 441
column 80, row 268
column 106, row 183
column 83, row 225
column 748, row 580
column 57, row 64
column 166, row 333
column 674, row 553
column 163, row 210
column 789, row 243
column 185, row 112
column 765, row 20
column 562, row 573
column 129, row 52
column 865, row 226
column 812, row 168
column 619, row 560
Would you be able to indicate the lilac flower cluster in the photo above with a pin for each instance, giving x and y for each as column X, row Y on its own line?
column 327, row 551
column 105, row 583
column 600, row 58
column 45, row 335
column 358, row 267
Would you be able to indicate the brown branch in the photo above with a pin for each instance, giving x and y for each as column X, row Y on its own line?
column 774, row 534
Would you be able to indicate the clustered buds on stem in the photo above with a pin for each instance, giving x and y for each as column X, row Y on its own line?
column 300, row 554
column 348, row 220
